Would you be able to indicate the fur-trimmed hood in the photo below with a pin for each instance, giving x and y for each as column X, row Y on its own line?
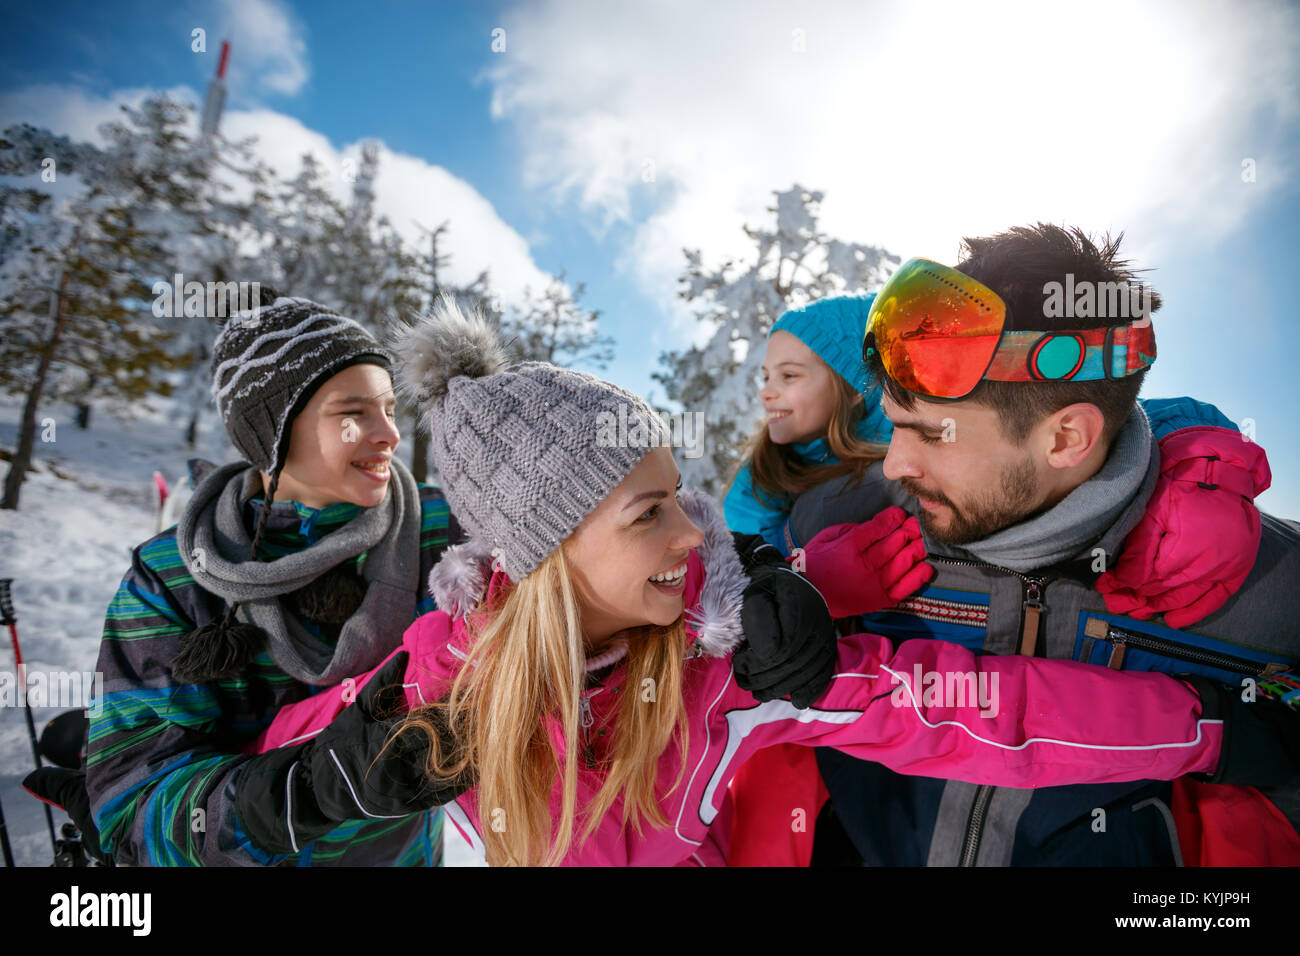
column 460, row 581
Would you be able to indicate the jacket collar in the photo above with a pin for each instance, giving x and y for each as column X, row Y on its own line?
column 464, row 577
column 1111, row 538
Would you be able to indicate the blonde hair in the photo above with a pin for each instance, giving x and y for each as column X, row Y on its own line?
column 526, row 671
column 777, row 470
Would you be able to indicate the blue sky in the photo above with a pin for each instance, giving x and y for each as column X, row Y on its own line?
column 921, row 123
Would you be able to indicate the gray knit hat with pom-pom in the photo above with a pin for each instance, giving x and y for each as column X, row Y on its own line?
column 524, row 451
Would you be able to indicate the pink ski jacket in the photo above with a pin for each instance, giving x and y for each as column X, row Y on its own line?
column 928, row 707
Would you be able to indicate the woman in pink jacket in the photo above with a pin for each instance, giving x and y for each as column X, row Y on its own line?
column 581, row 666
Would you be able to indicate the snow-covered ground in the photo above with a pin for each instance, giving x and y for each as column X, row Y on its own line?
column 89, row 502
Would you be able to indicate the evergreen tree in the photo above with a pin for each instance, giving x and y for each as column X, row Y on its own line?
column 199, row 202
column 306, row 232
column 553, row 327
column 71, row 312
column 77, row 291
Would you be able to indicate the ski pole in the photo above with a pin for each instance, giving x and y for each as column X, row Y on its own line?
column 4, row 840
column 8, row 617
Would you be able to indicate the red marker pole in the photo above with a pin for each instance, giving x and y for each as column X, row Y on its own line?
column 216, row 101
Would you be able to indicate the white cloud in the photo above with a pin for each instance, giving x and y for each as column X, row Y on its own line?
column 920, row 122
column 74, row 111
column 415, row 194
column 268, row 51
column 409, row 190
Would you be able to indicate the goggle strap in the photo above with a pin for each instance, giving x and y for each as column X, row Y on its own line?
column 1135, row 341
column 1108, row 353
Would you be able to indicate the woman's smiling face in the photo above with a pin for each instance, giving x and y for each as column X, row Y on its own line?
column 628, row 557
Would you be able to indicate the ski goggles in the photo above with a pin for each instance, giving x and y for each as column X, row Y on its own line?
column 939, row 333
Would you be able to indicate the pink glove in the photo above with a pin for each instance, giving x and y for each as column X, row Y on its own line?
column 861, row 568
column 1199, row 537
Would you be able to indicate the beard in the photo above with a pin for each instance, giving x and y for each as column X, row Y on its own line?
column 988, row 510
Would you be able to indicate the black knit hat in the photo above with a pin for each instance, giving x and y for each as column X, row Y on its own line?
column 266, row 365
column 268, row 362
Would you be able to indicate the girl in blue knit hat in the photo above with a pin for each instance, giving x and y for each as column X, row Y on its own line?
column 821, row 420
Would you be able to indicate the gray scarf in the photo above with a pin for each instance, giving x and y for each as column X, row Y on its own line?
column 214, row 544
column 1084, row 515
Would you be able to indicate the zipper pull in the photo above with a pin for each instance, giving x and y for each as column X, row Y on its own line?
column 1033, row 609
column 1097, row 629
column 585, row 720
column 1117, row 652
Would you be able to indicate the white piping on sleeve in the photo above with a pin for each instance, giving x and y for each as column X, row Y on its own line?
column 741, row 723
column 288, row 807
column 456, row 813
column 1177, row 744
column 355, row 798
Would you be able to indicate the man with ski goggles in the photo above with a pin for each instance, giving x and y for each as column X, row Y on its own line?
column 1019, row 444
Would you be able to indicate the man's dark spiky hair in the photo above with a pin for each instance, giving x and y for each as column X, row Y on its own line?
column 1017, row 264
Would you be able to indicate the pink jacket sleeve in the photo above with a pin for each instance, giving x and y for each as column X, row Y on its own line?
column 427, row 679
column 933, row 708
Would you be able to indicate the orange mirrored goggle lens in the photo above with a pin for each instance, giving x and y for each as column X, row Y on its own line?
column 936, row 330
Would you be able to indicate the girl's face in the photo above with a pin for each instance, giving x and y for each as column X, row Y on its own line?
column 628, row 557
column 340, row 444
column 798, row 391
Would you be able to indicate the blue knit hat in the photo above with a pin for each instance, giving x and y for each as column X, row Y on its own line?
column 834, row 329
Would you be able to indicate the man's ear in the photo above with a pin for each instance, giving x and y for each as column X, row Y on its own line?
column 1073, row 434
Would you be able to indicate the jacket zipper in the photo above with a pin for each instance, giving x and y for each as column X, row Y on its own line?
column 1122, row 639
column 975, row 825
column 585, row 721
column 1031, row 606
column 1031, row 622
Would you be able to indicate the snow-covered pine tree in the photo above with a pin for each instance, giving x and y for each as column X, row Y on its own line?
column 202, row 201
column 428, row 269
column 306, row 233
column 551, row 326
column 368, row 281
column 794, row 263
column 71, row 313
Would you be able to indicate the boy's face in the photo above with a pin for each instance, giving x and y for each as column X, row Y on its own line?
column 798, row 391
column 638, row 533
column 969, row 479
column 340, row 444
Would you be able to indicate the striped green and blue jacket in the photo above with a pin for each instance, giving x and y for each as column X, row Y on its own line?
column 163, row 757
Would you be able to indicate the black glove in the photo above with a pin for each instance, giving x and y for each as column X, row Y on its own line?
column 66, row 789
column 290, row 797
column 1261, row 738
column 790, row 643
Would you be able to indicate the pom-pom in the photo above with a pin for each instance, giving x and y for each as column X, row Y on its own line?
column 459, row 580
column 444, row 346
column 217, row 650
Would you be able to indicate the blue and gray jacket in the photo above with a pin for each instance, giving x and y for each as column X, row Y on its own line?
column 913, row 821
column 163, row 756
